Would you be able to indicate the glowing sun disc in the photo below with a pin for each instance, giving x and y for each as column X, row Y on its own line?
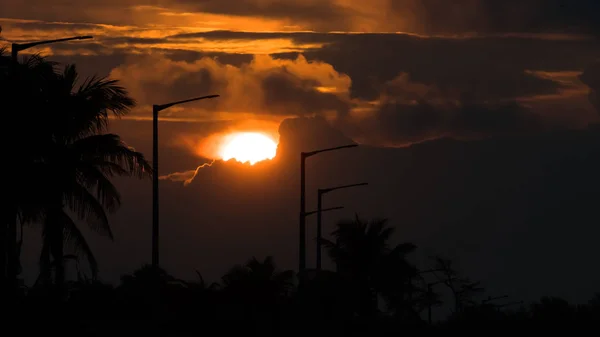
column 250, row 147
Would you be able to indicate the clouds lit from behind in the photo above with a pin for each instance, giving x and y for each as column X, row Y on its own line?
column 243, row 147
column 264, row 88
column 187, row 177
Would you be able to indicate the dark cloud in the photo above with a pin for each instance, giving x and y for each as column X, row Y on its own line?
column 409, row 112
column 404, row 124
column 414, row 16
column 488, row 68
column 300, row 37
column 63, row 27
column 291, row 94
column 508, row 16
column 308, row 134
column 92, row 11
column 236, row 60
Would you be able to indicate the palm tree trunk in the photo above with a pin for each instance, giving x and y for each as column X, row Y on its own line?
column 12, row 255
column 8, row 252
column 3, row 255
column 57, row 251
column 54, row 229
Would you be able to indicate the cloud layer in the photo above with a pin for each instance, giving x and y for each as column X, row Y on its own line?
column 414, row 16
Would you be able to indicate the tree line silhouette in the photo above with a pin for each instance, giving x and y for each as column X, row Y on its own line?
column 59, row 161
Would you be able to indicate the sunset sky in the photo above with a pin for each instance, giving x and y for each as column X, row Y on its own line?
column 368, row 67
column 384, row 73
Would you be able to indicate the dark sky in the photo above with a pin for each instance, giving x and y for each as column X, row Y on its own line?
column 514, row 82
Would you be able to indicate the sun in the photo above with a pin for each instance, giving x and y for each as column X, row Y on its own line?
column 248, row 147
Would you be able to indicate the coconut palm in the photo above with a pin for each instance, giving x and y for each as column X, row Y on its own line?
column 66, row 158
column 256, row 293
column 366, row 261
column 258, row 277
column 79, row 159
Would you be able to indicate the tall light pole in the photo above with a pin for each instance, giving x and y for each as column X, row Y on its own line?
column 429, row 289
column 155, row 110
column 430, row 299
column 321, row 192
column 17, row 47
column 302, row 225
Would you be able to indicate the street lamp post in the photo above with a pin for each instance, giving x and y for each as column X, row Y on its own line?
column 17, row 47
column 320, row 194
column 155, row 110
column 430, row 299
column 302, row 225
column 429, row 290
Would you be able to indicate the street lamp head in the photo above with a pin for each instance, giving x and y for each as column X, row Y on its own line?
column 323, row 210
column 343, row 147
column 160, row 107
column 85, row 37
column 312, row 153
column 327, row 190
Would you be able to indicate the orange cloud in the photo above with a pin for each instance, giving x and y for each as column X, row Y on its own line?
column 264, row 87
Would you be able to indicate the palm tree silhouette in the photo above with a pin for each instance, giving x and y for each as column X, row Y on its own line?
column 69, row 158
column 366, row 261
column 255, row 293
column 258, row 275
column 81, row 159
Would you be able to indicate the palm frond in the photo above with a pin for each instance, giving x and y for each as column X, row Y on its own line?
column 70, row 76
column 110, row 148
column 106, row 95
column 106, row 193
column 86, row 110
column 75, row 239
column 88, row 208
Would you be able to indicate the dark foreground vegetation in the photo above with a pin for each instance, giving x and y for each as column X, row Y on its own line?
column 60, row 163
column 374, row 291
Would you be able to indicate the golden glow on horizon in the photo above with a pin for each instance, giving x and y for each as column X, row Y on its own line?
column 230, row 46
column 249, row 147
